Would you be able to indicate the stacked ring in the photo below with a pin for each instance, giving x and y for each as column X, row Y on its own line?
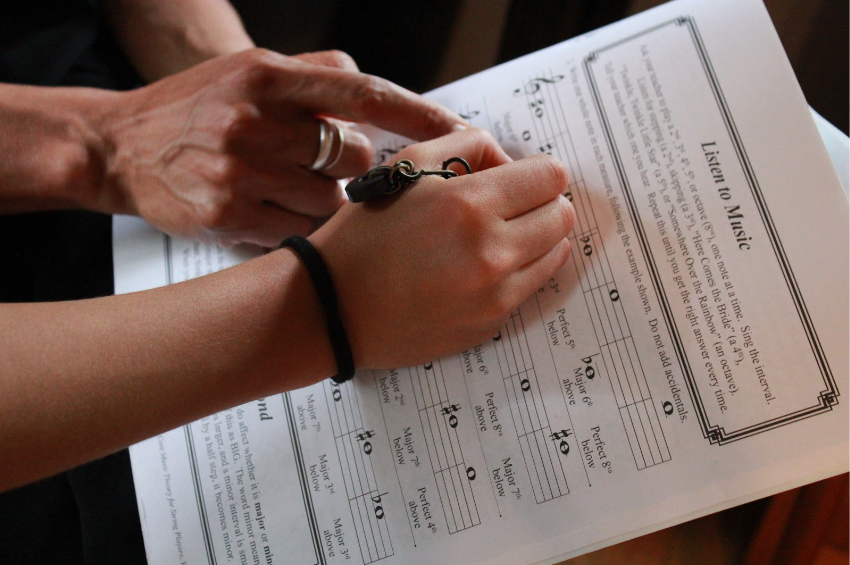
column 326, row 141
column 341, row 137
column 327, row 132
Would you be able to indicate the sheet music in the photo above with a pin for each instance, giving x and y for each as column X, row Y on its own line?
column 686, row 359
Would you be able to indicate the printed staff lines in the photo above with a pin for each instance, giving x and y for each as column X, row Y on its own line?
column 438, row 418
column 641, row 423
column 354, row 450
column 541, row 456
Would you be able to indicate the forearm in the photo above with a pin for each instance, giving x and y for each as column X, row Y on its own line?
column 52, row 152
column 83, row 379
column 162, row 37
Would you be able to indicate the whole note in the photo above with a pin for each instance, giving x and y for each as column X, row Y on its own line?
column 560, row 438
column 537, row 106
column 587, row 249
column 379, row 510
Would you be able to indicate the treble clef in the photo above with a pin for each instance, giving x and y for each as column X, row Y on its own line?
column 533, row 86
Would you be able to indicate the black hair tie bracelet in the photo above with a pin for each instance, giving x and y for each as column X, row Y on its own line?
column 324, row 286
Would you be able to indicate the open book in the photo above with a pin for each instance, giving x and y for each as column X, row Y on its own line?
column 689, row 357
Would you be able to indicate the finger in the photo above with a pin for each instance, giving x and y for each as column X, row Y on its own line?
column 296, row 190
column 525, row 281
column 521, row 186
column 334, row 58
column 269, row 225
column 351, row 152
column 274, row 146
column 535, row 233
column 353, row 158
column 477, row 146
column 354, row 96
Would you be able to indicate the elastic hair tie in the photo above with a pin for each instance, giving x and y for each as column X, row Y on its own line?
column 324, row 286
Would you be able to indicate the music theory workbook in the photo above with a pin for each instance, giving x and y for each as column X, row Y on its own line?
column 690, row 356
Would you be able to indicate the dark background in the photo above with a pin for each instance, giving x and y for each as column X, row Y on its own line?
column 422, row 45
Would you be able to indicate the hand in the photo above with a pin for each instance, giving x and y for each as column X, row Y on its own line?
column 441, row 266
column 220, row 152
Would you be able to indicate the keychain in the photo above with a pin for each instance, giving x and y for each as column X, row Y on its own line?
column 384, row 180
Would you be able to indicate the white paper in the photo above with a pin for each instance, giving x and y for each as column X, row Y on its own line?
column 687, row 358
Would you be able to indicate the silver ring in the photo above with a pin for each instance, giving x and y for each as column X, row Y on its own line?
column 326, row 141
column 341, row 134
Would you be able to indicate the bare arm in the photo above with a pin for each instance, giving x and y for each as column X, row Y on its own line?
column 217, row 152
column 83, row 379
column 421, row 276
column 162, row 37
column 52, row 151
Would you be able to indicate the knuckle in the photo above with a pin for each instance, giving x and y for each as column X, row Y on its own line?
column 434, row 119
column 260, row 57
column 500, row 306
column 568, row 213
column 566, row 251
column 215, row 214
column 491, row 265
column 342, row 59
column 556, row 258
column 225, row 241
column 228, row 172
column 217, row 201
column 370, row 95
column 555, row 172
column 489, row 150
column 258, row 67
column 460, row 211
column 488, row 263
column 239, row 120
column 481, row 137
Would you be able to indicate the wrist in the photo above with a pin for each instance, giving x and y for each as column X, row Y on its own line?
column 291, row 333
column 326, row 293
column 55, row 151
column 98, row 111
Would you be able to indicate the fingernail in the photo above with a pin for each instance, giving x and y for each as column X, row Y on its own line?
column 459, row 127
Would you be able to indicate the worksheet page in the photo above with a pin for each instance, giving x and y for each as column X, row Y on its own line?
column 690, row 356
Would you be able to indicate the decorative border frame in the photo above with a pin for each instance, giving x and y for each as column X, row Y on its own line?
column 717, row 434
